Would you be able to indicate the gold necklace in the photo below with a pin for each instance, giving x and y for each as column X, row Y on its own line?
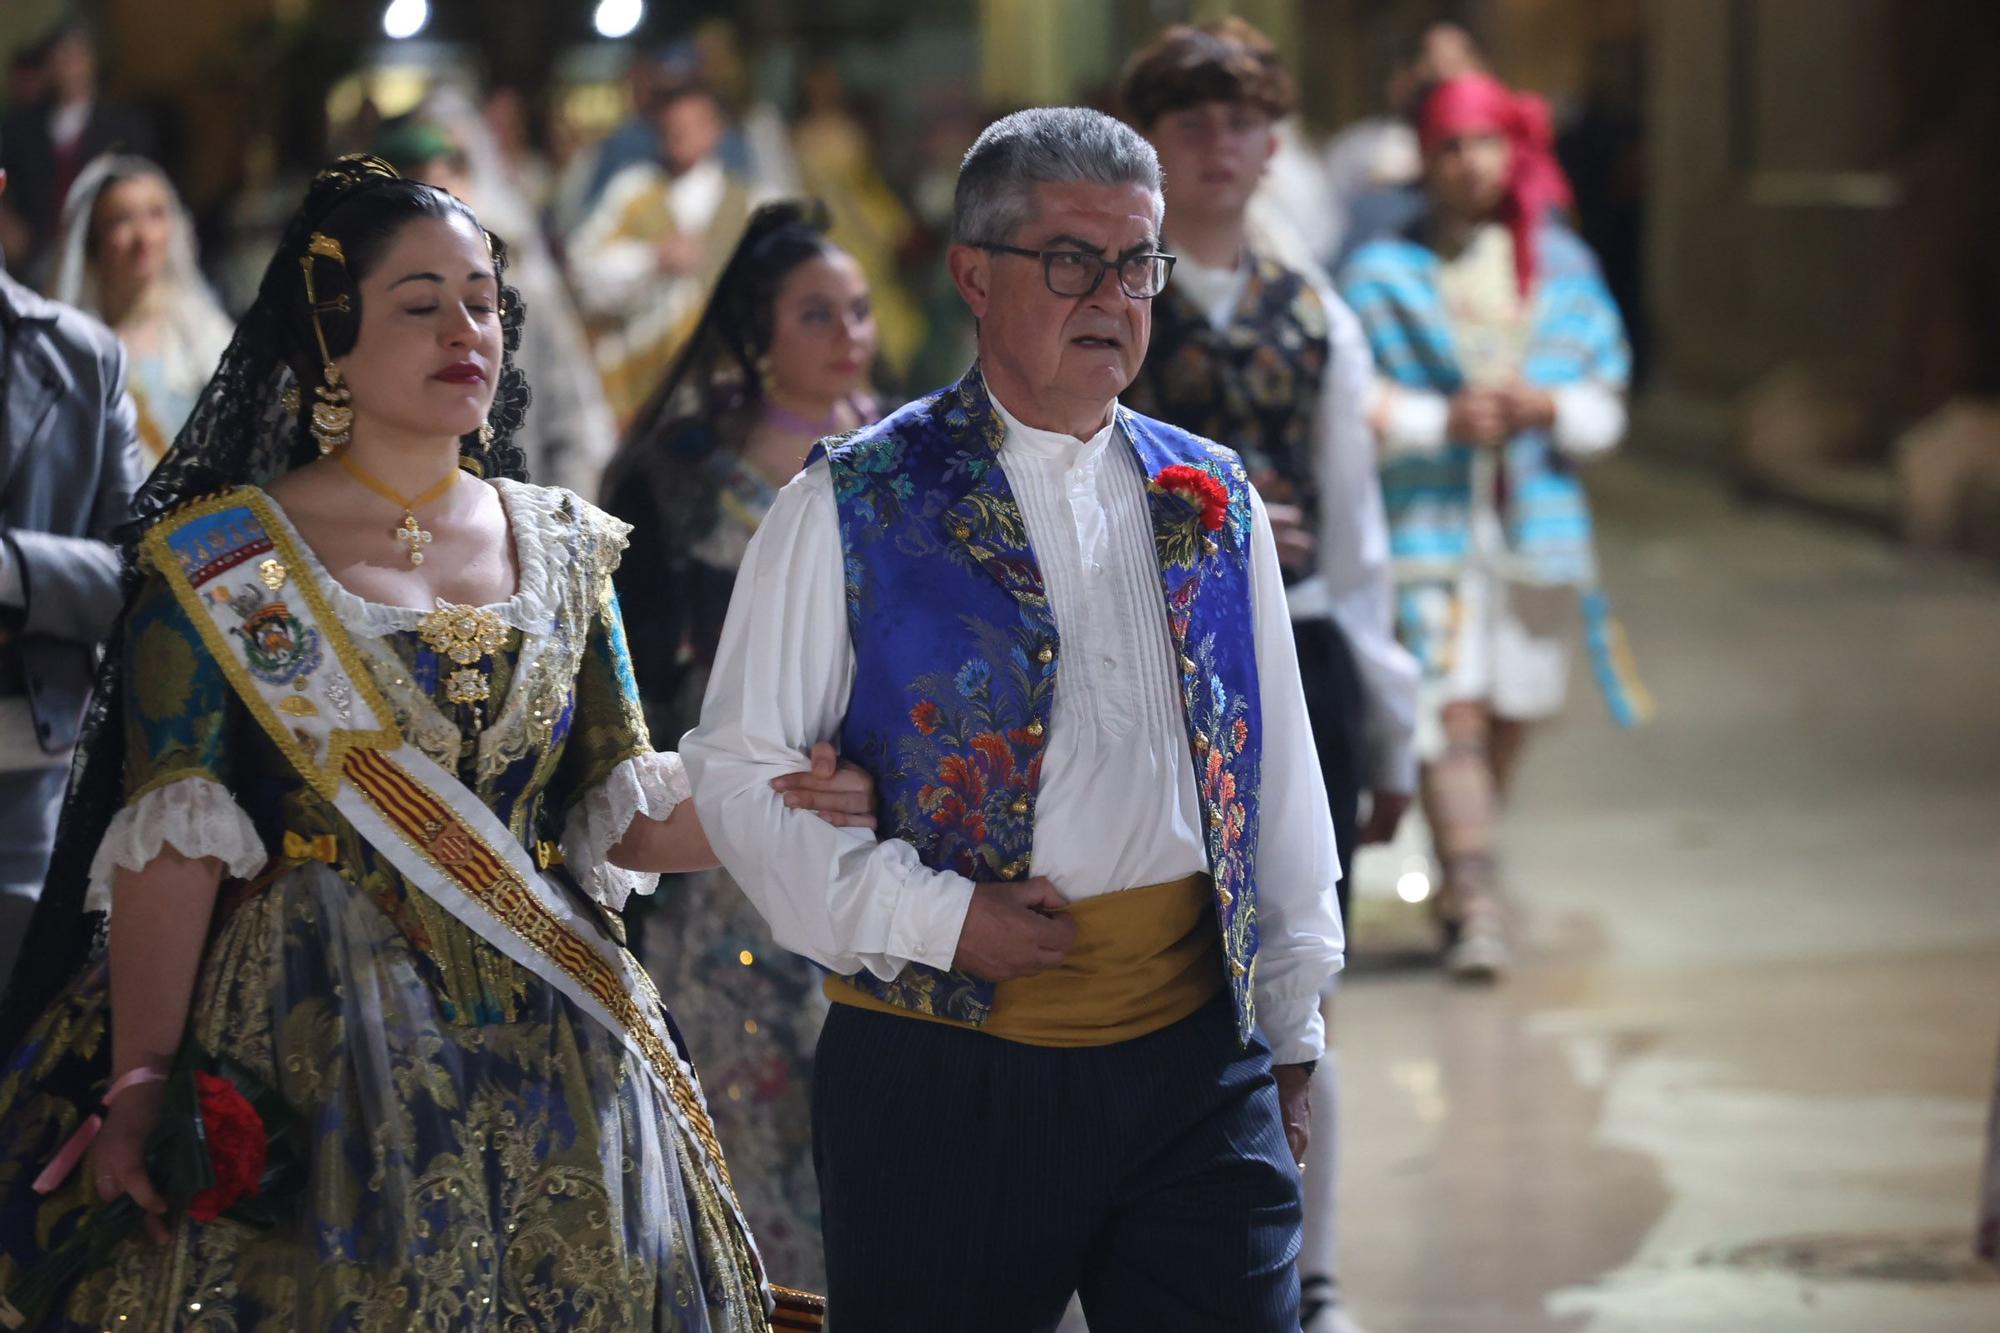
column 411, row 533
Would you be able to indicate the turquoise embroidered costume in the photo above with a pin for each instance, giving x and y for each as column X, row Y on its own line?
column 1573, row 334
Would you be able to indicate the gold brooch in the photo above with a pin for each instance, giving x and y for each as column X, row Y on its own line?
column 463, row 633
column 467, row 686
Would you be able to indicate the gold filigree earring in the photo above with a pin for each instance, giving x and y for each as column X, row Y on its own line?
column 332, row 410
column 332, row 417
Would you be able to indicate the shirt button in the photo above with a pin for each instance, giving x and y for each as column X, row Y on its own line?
column 1048, row 655
column 1110, row 662
column 1020, row 805
column 1036, row 729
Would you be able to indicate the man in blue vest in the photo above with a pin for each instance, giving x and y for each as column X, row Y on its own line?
column 1076, row 977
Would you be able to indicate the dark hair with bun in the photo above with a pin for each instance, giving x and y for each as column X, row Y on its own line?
column 717, row 372
column 364, row 223
column 735, row 327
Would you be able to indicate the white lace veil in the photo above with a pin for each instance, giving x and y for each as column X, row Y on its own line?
column 197, row 328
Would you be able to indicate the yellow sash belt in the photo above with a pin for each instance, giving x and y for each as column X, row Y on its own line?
column 1143, row 959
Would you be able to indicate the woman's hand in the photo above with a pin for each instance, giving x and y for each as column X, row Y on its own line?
column 118, row 1157
column 838, row 792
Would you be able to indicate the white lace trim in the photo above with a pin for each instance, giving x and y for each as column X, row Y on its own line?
column 649, row 784
column 196, row 815
column 540, row 534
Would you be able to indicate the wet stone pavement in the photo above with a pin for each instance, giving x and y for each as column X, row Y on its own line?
column 1739, row 1077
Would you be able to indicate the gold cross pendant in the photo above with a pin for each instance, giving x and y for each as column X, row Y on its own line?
column 414, row 537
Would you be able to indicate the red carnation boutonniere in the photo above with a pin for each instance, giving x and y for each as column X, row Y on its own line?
column 1199, row 490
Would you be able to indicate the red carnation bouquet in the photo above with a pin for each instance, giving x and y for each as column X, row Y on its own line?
column 1201, row 491
column 225, row 1145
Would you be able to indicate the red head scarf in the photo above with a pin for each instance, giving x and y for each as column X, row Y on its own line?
column 1481, row 104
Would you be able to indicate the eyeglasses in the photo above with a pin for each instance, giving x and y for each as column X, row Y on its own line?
column 1079, row 272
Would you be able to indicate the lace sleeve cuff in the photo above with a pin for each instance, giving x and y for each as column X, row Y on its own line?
column 650, row 784
column 196, row 816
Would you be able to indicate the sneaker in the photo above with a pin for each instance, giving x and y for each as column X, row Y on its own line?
column 1320, row 1310
column 1333, row 1319
column 1477, row 955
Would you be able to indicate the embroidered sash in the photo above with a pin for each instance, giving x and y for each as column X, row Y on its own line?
column 236, row 570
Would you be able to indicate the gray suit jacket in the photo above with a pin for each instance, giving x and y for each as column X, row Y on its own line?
column 69, row 463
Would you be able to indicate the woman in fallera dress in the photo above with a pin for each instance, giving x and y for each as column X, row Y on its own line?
column 781, row 358
column 366, row 786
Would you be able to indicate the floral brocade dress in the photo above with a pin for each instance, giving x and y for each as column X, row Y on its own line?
column 749, row 1010
column 482, row 1153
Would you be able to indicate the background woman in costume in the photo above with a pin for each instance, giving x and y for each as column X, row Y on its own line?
column 127, row 256
column 1503, row 365
column 481, row 1151
column 780, row 359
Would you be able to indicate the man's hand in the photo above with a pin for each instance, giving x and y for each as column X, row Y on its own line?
column 1295, row 540
column 1385, row 815
column 1295, row 1107
column 1528, row 408
column 1014, row 930
column 1478, row 416
column 839, row 793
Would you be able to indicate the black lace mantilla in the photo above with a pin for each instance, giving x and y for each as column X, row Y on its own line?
column 239, row 433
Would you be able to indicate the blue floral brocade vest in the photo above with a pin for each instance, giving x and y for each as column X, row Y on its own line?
column 957, row 660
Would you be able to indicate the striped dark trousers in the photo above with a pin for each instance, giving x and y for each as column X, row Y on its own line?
column 971, row 1184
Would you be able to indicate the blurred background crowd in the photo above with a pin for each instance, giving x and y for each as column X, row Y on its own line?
column 1788, row 199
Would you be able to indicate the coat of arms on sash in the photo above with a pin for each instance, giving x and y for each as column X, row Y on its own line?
column 448, row 841
column 277, row 647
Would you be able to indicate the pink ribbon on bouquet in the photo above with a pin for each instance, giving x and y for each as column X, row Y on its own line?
column 73, row 1149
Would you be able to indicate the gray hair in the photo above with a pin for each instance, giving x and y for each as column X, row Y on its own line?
column 1053, row 144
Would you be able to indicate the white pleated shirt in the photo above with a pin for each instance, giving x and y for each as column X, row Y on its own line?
column 1117, row 807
